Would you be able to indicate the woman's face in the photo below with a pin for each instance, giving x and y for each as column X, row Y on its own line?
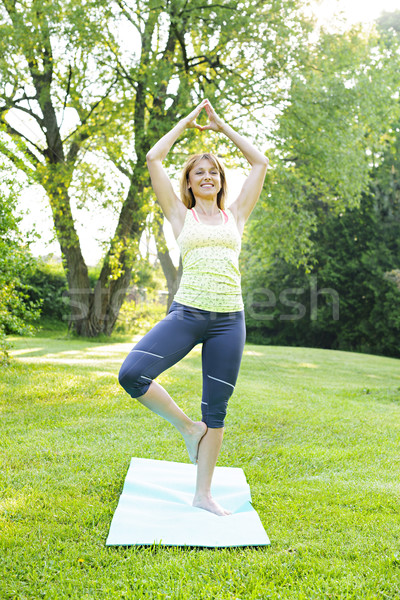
column 205, row 180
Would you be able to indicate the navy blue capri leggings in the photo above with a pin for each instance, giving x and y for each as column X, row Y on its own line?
column 222, row 335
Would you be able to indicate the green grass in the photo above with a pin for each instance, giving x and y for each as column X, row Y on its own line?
column 316, row 432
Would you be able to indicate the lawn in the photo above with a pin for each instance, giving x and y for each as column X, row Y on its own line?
column 316, row 432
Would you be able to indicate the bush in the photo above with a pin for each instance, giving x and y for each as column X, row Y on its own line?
column 47, row 283
column 139, row 317
column 17, row 310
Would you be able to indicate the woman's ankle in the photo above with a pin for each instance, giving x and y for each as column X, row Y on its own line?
column 200, row 495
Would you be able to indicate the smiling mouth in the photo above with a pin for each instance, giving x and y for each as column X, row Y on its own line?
column 207, row 185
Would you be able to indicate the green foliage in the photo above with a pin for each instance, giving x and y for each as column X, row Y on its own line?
column 332, row 98
column 17, row 310
column 341, row 102
column 148, row 275
column 280, row 225
column 139, row 317
column 45, row 283
column 330, row 219
column 143, row 307
column 389, row 23
column 48, row 284
column 347, row 301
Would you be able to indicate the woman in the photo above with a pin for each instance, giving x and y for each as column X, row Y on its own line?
column 208, row 306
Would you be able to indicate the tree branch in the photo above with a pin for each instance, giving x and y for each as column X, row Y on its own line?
column 86, row 118
column 140, row 96
column 66, row 94
column 74, row 149
column 14, row 132
column 181, row 41
column 28, row 111
column 18, row 162
column 120, row 167
column 14, row 158
column 125, row 11
column 209, row 7
column 120, row 69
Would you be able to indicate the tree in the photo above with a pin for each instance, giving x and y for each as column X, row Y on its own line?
column 47, row 55
column 389, row 22
column 340, row 107
column 337, row 165
column 55, row 57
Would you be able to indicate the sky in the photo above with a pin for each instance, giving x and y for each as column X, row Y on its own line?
column 95, row 227
column 356, row 11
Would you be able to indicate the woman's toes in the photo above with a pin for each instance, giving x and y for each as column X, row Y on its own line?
column 207, row 503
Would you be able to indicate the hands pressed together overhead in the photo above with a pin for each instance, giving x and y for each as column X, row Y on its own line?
column 214, row 122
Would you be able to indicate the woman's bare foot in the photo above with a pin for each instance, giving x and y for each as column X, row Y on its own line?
column 208, row 503
column 192, row 439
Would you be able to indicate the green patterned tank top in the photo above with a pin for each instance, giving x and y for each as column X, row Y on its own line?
column 210, row 259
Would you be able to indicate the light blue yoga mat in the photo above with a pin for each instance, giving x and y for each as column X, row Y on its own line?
column 155, row 507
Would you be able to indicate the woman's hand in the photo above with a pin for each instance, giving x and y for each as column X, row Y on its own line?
column 190, row 120
column 214, row 122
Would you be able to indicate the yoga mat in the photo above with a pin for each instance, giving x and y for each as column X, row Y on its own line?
column 155, row 507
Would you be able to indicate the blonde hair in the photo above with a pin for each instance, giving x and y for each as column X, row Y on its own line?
column 187, row 196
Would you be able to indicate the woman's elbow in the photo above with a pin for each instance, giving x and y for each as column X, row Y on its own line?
column 262, row 162
column 265, row 162
column 152, row 158
column 149, row 156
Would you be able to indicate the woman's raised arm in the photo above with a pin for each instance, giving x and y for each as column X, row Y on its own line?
column 162, row 186
column 250, row 192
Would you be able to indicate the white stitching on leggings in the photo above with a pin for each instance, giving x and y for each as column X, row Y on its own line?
column 148, row 378
column 144, row 352
column 221, row 380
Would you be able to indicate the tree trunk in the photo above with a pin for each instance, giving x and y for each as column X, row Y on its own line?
column 110, row 290
column 172, row 274
column 74, row 265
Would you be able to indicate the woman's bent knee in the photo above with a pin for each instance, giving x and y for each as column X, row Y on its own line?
column 133, row 382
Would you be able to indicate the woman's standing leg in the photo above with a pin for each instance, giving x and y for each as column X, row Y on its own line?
column 209, row 449
column 221, row 357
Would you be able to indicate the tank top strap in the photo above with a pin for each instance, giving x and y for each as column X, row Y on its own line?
column 195, row 215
